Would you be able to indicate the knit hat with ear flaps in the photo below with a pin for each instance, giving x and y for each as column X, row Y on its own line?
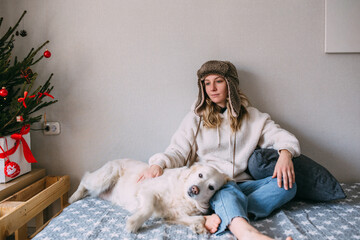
column 228, row 71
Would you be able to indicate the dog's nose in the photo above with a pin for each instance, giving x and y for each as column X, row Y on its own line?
column 195, row 189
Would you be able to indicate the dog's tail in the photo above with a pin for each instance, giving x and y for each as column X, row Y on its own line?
column 97, row 182
column 80, row 193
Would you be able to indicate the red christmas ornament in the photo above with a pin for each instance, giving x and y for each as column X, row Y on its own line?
column 19, row 118
column 3, row 92
column 11, row 169
column 47, row 54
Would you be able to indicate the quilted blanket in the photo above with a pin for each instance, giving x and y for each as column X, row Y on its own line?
column 93, row 218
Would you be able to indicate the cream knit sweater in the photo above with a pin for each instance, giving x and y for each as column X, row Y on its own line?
column 215, row 146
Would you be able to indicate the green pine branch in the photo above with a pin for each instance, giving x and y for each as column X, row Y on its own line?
column 17, row 79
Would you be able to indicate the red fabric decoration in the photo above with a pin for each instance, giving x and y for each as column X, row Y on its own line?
column 46, row 94
column 19, row 138
column 23, row 99
column 26, row 76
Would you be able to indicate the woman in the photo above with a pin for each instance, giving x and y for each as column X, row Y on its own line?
column 223, row 131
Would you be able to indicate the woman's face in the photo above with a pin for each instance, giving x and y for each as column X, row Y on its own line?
column 216, row 89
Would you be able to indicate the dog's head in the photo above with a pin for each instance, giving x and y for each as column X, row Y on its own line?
column 201, row 183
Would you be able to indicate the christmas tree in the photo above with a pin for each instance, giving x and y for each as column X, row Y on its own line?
column 18, row 103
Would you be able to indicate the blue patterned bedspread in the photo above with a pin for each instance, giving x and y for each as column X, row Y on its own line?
column 96, row 219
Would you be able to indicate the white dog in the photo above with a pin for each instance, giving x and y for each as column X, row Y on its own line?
column 180, row 195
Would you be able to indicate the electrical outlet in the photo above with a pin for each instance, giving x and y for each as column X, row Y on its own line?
column 52, row 128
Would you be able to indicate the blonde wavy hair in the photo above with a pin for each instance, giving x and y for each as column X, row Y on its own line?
column 211, row 113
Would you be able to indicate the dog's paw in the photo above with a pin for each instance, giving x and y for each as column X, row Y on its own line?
column 132, row 224
column 76, row 196
column 199, row 226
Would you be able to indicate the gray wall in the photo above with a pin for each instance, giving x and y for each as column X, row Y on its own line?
column 125, row 75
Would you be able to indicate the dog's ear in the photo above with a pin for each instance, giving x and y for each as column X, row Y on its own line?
column 185, row 174
column 194, row 167
column 187, row 171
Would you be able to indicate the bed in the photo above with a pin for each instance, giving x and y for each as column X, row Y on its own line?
column 94, row 218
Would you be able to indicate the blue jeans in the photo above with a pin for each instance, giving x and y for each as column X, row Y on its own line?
column 256, row 197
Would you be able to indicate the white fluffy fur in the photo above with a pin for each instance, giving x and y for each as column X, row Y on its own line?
column 168, row 196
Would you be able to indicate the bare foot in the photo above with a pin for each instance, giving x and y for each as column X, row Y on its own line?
column 289, row 238
column 212, row 222
column 244, row 231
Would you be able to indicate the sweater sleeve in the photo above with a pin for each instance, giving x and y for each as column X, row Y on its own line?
column 176, row 153
column 273, row 136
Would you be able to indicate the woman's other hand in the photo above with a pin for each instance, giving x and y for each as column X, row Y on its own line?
column 284, row 169
column 152, row 172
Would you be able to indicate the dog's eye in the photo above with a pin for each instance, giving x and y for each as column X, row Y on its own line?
column 211, row 187
column 200, row 175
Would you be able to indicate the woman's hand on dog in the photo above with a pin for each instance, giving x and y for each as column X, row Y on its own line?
column 152, row 172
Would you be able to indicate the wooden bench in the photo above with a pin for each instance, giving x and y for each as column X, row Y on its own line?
column 29, row 203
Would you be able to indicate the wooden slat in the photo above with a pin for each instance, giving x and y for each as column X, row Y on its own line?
column 39, row 220
column 28, row 192
column 64, row 200
column 9, row 206
column 21, row 233
column 50, row 180
column 43, row 226
column 7, row 189
column 24, row 213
